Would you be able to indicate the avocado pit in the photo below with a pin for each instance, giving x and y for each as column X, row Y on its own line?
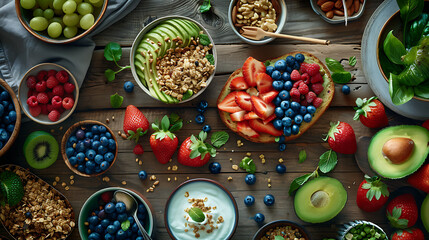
column 319, row 199
column 398, row 150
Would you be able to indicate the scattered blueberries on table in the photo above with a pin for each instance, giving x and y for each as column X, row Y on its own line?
column 280, row 168
column 345, row 89
column 207, row 128
column 200, row 119
column 249, row 200
column 282, row 147
column 128, row 87
column 215, row 167
column 250, row 179
column 259, row 217
column 142, row 175
column 269, row 200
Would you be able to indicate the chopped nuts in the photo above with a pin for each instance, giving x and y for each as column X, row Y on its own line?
column 124, row 136
column 280, row 160
column 124, row 182
column 106, row 179
column 152, row 178
column 235, row 167
column 229, row 178
column 248, row 154
column 239, row 143
column 156, row 182
column 174, row 168
column 57, row 179
column 258, row 13
column 168, row 179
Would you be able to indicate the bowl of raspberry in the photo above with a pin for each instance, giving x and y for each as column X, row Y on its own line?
column 89, row 148
column 48, row 93
column 10, row 117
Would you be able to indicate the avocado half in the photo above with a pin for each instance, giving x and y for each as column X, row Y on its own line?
column 386, row 168
column 424, row 213
column 320, row 200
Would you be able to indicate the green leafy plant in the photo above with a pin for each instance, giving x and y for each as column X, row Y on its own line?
column 302, row 156
column 416, row 30
column 204, row 39
column 339, row 75
column 219, row 139
column 399, row 93
column 394, row 49
column 113, row 53
column 210, row 58
column 200, row 148
column 205, row 7
column 248, row 165
column 116, row 100
column 410, row 9
column 197, row 214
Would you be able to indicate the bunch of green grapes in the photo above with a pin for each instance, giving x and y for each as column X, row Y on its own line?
column 61, row 16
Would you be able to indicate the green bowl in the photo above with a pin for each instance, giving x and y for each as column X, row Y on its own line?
column 92, row 203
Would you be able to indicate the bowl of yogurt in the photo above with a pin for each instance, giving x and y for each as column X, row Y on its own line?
column 201, row 209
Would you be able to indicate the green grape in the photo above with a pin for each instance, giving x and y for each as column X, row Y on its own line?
column 48, row 13
column 58, row 20
column 58, row 4
column 87, row 21
column 78, row 1
column 54, row 30
column 84, row 8
column 38, row 12
column 98, row 4
column 38, row 23
column 58, row 12
column 71, row 19
column 70, row 32
column 69, row 7
column 28, row 4
column 43, row 4
column 95, row 1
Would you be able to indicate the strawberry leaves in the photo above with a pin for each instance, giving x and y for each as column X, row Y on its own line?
column 136, row 135
column 376, row 188
column 199, row 148
column 363, row 106
column 395, row 219
column 332, row 131
column 167, row 126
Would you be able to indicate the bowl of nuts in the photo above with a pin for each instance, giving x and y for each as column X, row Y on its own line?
column 332, row 11
column 269, row 15
column 281, row 228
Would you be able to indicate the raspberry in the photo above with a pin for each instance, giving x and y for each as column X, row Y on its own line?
column 41, row 86
column 61, row 110
column 69, row 96
column 304, row 103
column 69, row 87
column 310, row 96
column 31, row 82
column 54, row 115
column 49, row 107
column 303, row 68
column 296, row 84
column 58, row 91
column 317, row 78
column 295, row 76
column 42, row 75
column 31, row 92
column 317, row 88
column 313, row 69
column 303, row 89
column 57, row 102
column 317, row 102
column 107, row 196
column 51, row 82
column 306, row 78
column 68, row 103
column 44, row 109
column 42, row 98
column 62, row 76
column 35, row 111
column 294, row 93
column 52, row 72
column 50, row 95
column 32, row 101
column 138, row 149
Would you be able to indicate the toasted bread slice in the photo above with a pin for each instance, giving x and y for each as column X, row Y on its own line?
column 327, row 95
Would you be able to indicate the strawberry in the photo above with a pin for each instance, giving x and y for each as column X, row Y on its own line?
column 164, row 142
column 341, row 138
column 264, row 82
column 269, row 119
column 420, row 179
column 426, row 124
column 243, row 101
column 228, row 104
column 408, row 234
column 268, row 128
column 252, row 91
column 138, row 149
column 251, row 115
column 295, row 76
column 402, row 211
column 269, row 96
column 245, row 129
column 135, row 123
column 238, row 83
column 194, row 152
column 370, row 113
column 312, row 69
column 372, row 194
column 237, row 116
column 251, row 67
column 261, row 108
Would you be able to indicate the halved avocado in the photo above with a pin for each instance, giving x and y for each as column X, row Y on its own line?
column 424, row 213
column 320, row 200
column 418, row 151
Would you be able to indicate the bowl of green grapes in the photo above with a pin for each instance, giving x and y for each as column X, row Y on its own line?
column 60, row 21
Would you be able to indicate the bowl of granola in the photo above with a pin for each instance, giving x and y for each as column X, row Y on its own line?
column 173, row 59
column 282, row 228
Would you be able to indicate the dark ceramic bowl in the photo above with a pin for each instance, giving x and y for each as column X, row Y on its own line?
column 344, row 229
column 280, row 223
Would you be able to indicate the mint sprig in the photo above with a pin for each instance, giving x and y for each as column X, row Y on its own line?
column 113, row 53
column 339, row 75
column 302, row 156
column 219, row 139
column 116, row 100
column 248, row 165
column 197, row 214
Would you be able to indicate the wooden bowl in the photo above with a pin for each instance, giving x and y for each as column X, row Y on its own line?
column 15, row 132
column 71, row 130
column 25, row 15
column 23, row 91
column 281, row 223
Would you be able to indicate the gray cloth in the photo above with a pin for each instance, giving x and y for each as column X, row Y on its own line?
column 19, row 50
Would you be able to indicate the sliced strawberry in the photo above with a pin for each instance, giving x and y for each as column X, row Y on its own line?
column 252, row 91
column 250, row 68
column 238, row 83
column 237, row 116
column 269, row 119
column 243, row 101
column 259, row 126
column 263, row 109
column 251, row 115
column 228, row 104
column 264, row 82
column 269, row 96
column 245, row 129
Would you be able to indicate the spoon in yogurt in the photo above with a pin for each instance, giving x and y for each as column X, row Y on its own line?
column 131, row 208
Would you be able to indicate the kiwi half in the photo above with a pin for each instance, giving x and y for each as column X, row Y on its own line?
column 40, row 149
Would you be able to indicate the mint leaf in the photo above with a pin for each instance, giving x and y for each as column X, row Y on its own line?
column 205, row 6
column 248, row 165
column 219, row 139
column 341, row 77
column 352, row 61
column 110, row 75
column 302, row 156
column 174, row 118
column 113, row 52
column 197, row 214
column 204, row 39
column 298, row 182
column 116, row 100
column 334, row 65
column 210, row 58
column 125, row 225
column 267, row 63
column 328, row 161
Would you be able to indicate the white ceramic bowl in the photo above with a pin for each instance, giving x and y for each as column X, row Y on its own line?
column 337, row 19
column 139, row 38
column 281, row 21
column 23, row 91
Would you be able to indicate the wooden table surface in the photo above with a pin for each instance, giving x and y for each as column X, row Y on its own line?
column 94, row 104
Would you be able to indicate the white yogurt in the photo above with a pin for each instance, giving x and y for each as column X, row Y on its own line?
column 216, row 197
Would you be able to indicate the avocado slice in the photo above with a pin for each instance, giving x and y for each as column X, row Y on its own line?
column 386, row 168
column 157, row 38
column 195, row 30
column 183, row 28
column 320, row 200
column 424, row 213
column 166, row 33
column 179, row 32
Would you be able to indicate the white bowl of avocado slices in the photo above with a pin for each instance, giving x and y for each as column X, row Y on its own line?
column 159, row 38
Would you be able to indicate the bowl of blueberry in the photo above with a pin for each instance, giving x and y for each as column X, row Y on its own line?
column 89, row 148
column 102, row 217
column 10, row 117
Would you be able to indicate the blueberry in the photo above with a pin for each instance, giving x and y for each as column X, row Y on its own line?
column 303, row 110
column 95, row 144
column 104, row 165
column 99, row 229
column 4, row 96
column 278, row 85
column 269, row 70
column 112, row 144
column 1, row 110
column 282, row 147
column 249, row 200
column 11, row 107
column 295, row 129
column 296, row 66
column 109, row 157
column 97, row 169
column 111, row 229
column 259, row 217
column 203, row 105
column 280, row 168
column 73, row 161
column 120, row 207
column 109, row 208
column 128, row 86
column 200, row 119
column 141, row 208
column 102, row 150
column 142, row 175
column 345, row 89
column 94, row 129
column 28, row 215
column 215, row 167
column 290, row 61
column 286, row 76
column 104, row 222
column 131, row 219
column 89, row 135
column 287, row 131
column 12, row 116
column 284, row 105
column 134, row 228
column 139, row 237
column 287, row 121
column 277, row 101
column 117, row 224
column 307, row 117
column 6, row 120
column 311, row 109
column 108, row 236
column 94, row 236
column 81, row 168
column 87, row 143
column 104, row 141
column 113, row 216
column 269, row 200
column 207, row 128
column 281, row 139
column 284, row 95
column 90, row 154
column 102, row 129
column 69, row 151
column 5, row 104
column 72, row 139
column 280, row 65
column 288, row 69
column 90, row 165
column 250, row 179
column 289, row 113
column 4, row 135
column 276, row 75
column 93, row 220
column 80, row 157
column 278, row 124
column 96, row 138
column 80, row 134
column 299, row 57
column 80, row 146
column 108, row 135
column 295, row 106
column 298, row 119
column 120, row 234
column 279, row 112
